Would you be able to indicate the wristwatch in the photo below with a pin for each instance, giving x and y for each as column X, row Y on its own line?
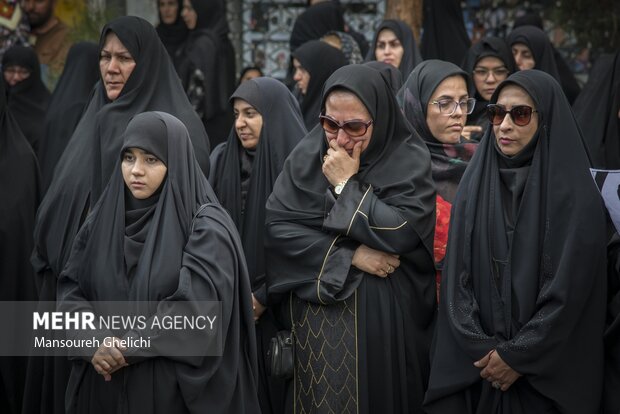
column 340, row 186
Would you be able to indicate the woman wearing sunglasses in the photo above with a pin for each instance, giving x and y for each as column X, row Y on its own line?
column 349, row 245
column 522, row 306
column 436, row 102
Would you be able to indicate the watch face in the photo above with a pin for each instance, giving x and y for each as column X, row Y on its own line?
column 338, row 189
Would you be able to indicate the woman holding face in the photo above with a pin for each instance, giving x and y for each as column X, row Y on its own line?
column 395, row 44
column 268, row 125
column 520, row 327
column 349, row 247
column 488, row 63
column 436, row 102
column 136, row 76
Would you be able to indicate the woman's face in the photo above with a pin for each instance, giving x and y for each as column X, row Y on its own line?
column 301, row 76
column 248, row 123
column 143, row 172
column 389, row 49
column 488, row 73
column 116, row 65
column 447, row 128
column 523, row 56
column 343, row 106
column 512, row 138
column 250, row 74
column 189, row 15
column 15, row 74
column 168, row 10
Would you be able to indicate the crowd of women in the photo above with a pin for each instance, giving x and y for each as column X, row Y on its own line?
column 425, row 237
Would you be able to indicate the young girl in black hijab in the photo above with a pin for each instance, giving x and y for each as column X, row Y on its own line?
column 158, row 234
column 268, row 126
column 395, row 44
column 349, row 247
column 521, row 312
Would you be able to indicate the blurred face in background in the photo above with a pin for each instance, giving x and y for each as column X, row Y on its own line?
column 301, row 76
column 389, row 49
column 15, row 74
column 189, row 15
column 168, row 10
column 488, row 73
column 523, row 56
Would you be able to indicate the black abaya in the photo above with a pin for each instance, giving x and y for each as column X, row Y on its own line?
column 444, row 36
column 515, row 278
column 377, row 330
column 183, row 247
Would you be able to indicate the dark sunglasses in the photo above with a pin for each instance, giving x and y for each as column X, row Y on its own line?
column 521, row 114
column 353, row 128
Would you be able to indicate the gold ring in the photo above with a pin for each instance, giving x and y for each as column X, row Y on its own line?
column 390, row 268
column 496, row 385
column 325, row 157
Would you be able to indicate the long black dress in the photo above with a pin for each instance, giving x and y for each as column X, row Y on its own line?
column 362, row 342
column 206, row 65
column 70, row 97
column 243, row 180
column 486, row 47
column 320, row 60
column 177, row 245
column 525, row 272
column 28, row 99
column 411, row 54
column 93, row 151
column 19, row 192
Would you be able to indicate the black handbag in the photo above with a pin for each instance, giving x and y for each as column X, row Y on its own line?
column 281, row 355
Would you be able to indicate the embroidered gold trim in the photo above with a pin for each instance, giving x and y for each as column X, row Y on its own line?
column 318, row 280
column 388, row 228
column 357, row 210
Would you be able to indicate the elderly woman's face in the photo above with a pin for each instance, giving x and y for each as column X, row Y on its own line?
column 168, row 10
column 444, row 126
column 512, row 138
column 116, row 65
column 143, row 173
column 488, row 73
column 248, row 123
column 342, row 106
column 523, row 56
column 389, row 49
column 15, row 74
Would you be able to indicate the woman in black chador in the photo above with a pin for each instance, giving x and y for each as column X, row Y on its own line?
column 522, row 305
column 158, row 234
column 136, row 76
column 395, row 44
column 268, row 125
column 349, row 252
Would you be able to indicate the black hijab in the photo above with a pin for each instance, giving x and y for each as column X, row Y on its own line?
column 320, row 60
column 596, row 110
column 315, row 22
column 299, row 192
column 540, row 46
column 96, row 141
column 411, row 55
column 349, row 46
column 282, row 129
column 172, row 35
column 486, row 47
column 190, row 252
column 28, row 100
column 393, row 75
column 70, row 97
column 444, row 35
column 515, row 278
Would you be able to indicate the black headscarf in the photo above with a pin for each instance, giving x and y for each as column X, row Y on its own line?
column 320, row 60
column 191, row 252
column 311, row 239
column 282, row 129
column 315, row 22
column 390, row 73
column 19, row 192
column 28, row 100
column 172, row 35
column 444, row 35
column 448, row 161
column 349, row 46
column 486, row 47
column 515, row 278
column 94, row 146
column 596, row 110
column 70, row 97
column 411, row 55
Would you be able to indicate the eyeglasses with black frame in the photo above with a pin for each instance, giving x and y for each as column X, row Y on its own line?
column 521, row 114
column 448, row 106
column 353, row 128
